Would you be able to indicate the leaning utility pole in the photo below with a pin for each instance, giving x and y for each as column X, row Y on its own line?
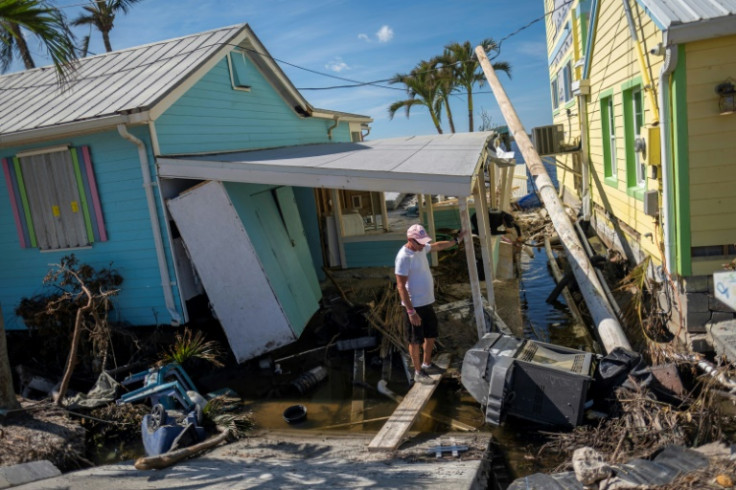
column 609, row 330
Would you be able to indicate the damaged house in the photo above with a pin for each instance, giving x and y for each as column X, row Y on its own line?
column 643, row 107
column 194, row 167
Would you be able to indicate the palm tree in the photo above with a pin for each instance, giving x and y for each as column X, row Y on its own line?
column 101, row 15
column 47, row 23
column 423, row 89
column 466, row 68
column 445, row 78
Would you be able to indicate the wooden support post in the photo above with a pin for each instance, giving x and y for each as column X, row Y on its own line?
column 562, row 284
column 607, row 324
column 339, row 226
column 480, row 321
column 429, row 208
column 504, row 198
column 357, row 407
column 492, row 183
column 384, row 213
column 484, row 233
column 374, row 196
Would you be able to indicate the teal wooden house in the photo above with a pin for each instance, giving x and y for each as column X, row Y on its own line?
column 194, row 167
column 79, row 176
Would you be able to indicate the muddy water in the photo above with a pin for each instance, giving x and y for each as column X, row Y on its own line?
column 329, row 403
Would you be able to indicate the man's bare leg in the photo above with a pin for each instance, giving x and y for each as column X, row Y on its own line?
column 428, row 349
column 414, row 352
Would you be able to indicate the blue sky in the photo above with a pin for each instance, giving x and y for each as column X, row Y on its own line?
column 364, row 41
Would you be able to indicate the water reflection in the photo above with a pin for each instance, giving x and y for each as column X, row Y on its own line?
column 543, row 321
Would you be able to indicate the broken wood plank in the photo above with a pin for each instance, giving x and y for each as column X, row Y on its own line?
column 357, row 405
column 393, row 431
column 167, row 459
column 455, row 424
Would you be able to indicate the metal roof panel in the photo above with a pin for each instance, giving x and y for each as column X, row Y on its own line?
column 438, row 164
column 106, row 84
column 675, row 12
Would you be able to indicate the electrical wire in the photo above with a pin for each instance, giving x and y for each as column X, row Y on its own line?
column 353, row 83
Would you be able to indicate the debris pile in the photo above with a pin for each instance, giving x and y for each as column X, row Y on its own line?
column 42, row 431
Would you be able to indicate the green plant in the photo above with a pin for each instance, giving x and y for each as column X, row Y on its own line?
column 193, row 346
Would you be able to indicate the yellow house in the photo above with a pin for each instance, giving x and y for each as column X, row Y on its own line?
column 643, row 98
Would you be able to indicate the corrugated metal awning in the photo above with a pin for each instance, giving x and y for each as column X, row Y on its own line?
column 435, row 164
column 688, row 20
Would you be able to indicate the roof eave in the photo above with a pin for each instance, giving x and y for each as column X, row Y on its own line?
column 70, row 129
column 701, row 30
column 176, row 168
column 343, row 116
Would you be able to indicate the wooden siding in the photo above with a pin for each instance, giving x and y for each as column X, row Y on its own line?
column 284, row 253
column 213, row 117
column 378, row 253
column 129, row 249
column 712, row 144
column 612, row 68
column 567, row 112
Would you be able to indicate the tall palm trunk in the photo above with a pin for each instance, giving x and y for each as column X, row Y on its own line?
column 22, row 46
column 446, row 101
column 470, row 110
column 436, row 121
column 106, row 40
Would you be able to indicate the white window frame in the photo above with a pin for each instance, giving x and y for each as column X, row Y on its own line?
column 637, row 109
column 612, row 138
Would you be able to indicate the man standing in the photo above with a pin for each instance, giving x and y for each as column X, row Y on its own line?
column 416, row 289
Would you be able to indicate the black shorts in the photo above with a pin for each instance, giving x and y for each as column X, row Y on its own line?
column 428, row 328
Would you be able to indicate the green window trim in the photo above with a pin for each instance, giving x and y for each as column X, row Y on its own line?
column 633, row 109
column 681, row 158
column 608, row 139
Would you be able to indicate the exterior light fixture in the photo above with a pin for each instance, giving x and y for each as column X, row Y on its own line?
column 726, row 97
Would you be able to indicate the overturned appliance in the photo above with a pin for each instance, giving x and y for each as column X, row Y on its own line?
column 527, row 379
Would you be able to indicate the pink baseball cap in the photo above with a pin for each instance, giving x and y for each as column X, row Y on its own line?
column 418, row 233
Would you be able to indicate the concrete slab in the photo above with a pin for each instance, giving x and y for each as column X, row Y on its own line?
column 18, row 474
column 297, row 459
column 723, row 335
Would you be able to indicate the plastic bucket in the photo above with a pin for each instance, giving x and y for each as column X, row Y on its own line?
column 295, row 414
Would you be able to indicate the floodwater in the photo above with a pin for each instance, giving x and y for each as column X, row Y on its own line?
column 329, row 403
column 268, row 393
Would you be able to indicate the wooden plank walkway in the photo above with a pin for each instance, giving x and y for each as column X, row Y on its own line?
column 393, row 431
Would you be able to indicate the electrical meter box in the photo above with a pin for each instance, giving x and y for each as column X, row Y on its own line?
column 532, row 380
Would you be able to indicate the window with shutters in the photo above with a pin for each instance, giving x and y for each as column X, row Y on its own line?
column 54, row 198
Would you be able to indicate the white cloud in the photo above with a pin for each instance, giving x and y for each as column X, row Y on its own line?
column 364, row 37
column 385, row 34
column 337, row 65
column 535, row 49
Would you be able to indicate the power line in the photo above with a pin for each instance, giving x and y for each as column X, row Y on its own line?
column 352, row 83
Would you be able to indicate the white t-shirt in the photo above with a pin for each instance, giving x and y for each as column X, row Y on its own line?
column 415, row 266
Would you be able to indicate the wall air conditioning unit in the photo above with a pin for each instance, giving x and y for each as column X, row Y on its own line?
column 547, row 139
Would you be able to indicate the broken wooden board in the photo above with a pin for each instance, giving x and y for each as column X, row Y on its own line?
column 357, row 406
column 393, row 431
